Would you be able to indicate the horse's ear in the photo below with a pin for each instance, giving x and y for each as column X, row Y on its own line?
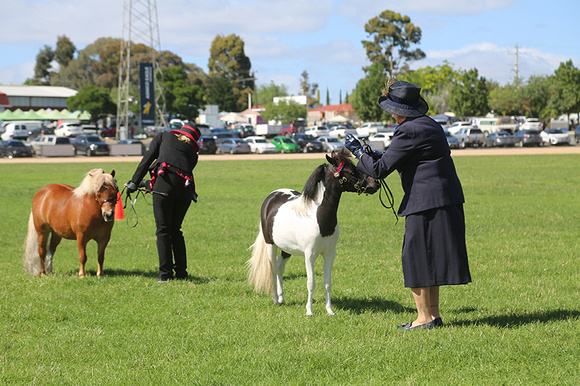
column 330, row 159
column 113, row 173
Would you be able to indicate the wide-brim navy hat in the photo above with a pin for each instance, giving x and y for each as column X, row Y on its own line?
column 189, row 132
column 403, row 99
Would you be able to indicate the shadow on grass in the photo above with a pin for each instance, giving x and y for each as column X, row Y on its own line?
column 360, row 306
column 518, row 320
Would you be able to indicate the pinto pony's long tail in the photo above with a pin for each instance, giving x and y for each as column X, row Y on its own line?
column 260, row 273
column 31, row 260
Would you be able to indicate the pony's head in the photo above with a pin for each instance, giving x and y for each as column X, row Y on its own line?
column 104, row 187
column 348, row 176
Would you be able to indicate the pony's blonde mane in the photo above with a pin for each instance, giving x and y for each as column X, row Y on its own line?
column 93, row 182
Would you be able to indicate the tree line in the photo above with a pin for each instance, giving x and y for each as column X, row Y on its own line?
column 391, row 48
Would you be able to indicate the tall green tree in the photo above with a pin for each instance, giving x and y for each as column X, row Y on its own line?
column 535, row 93
column 566, row 96
column 227, row 57
column 368, row 90
column 65, row 50
column 308, row 89
column 182, row 99
column 435, row 84
column 393, row 36
column 43, row 66
column 506, row 100
column 284, row 111
column 469, row 95
column 267, row 93
column 96, row 100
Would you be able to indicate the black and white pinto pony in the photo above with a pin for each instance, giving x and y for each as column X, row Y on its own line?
column 304, row 224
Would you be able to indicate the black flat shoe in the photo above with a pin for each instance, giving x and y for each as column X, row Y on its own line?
column 409, row 326
column 164, row 279
column 438, row 322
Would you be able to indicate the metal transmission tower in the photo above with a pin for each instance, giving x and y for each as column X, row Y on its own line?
column 140, row 25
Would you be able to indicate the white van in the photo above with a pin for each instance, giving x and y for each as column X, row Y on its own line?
column 14, row 130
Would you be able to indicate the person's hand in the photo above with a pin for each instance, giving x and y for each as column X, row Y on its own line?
column 353, row 144
column 131, row 187
column 377, row 155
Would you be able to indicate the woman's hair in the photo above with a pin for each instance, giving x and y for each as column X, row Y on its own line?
column 184, row 138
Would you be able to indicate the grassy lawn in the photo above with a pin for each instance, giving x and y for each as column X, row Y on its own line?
column 517, row 323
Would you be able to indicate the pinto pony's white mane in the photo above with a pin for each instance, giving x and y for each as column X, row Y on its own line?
column 93, row 182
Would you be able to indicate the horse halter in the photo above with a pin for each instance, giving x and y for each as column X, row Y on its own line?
column 342, row 180
column 113, row 200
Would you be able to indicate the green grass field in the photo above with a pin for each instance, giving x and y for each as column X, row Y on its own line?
column 517, row 323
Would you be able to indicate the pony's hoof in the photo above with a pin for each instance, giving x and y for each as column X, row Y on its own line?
column 281, row 300
column 330, row 312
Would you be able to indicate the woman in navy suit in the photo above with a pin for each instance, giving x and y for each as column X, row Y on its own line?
column 434, row 251
column 170, row 160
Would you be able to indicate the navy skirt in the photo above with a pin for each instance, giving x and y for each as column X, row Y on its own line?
column 434, row 250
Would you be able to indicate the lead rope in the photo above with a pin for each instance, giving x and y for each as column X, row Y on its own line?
column 383, row 187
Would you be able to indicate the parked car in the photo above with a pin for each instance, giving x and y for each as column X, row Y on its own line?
column 317, row 131
column 555, row 137
column 35, row 133
column 109, row 132
column 151, row 131
column 233, row 146
column 69, row 130
column 244, row 130
column 528, row 138
column 369, row 128
column 307, row 143
column 499, row 139
column 330, row 144
column 456, row 126
column 14, row 130
column 48, row 140
column 470, row 137
column 14, row 148
column 90, row 145
column 260, row 145
column 207, row 145
column 384, row 138
column 285, row 144
column 132, row 141
column 341, row 131
column 451, row 140
column 531, row 124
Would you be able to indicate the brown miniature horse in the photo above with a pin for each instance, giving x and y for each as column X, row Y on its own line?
column 81, row 214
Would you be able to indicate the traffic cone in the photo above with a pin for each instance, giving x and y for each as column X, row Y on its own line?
column 119, row 212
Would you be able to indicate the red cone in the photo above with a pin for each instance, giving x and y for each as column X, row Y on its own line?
column 119, row 212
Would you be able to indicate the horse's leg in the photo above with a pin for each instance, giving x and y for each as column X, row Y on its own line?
column 282, row 260
column 101, row 257
column 82, row 245
column 272, row 251
column 310, row 258
column 328, row 262
column 54, row 241
column 42, row 244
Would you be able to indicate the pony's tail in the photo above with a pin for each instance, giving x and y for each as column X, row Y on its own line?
column 31, row 260
column 260, row 267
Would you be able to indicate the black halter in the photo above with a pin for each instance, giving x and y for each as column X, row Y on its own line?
column 342, row 180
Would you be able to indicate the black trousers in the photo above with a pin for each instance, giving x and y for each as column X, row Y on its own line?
column 169, row 212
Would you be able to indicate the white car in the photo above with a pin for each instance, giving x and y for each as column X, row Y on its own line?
column 260, row 145
column 330, row 144
column 456, row 126
column 341, row 131
column 555, row 137
column 68, row 130
column 317, row 131
column 369, row 128
column 383, row 138
column 531, row 124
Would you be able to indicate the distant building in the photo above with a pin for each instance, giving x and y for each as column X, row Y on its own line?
column 325, row 114
column 35, row 97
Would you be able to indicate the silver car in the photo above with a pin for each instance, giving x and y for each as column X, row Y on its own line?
column 330, row 144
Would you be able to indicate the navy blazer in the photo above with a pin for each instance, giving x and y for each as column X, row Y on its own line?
column 165, row 147
column 420, row 153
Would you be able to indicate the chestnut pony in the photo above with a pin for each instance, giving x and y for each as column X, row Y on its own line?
column 81, row 214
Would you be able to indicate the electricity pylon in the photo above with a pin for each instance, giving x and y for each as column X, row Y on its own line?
column 140, row 25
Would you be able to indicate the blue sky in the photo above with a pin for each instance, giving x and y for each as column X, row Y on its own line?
column 323, row 37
